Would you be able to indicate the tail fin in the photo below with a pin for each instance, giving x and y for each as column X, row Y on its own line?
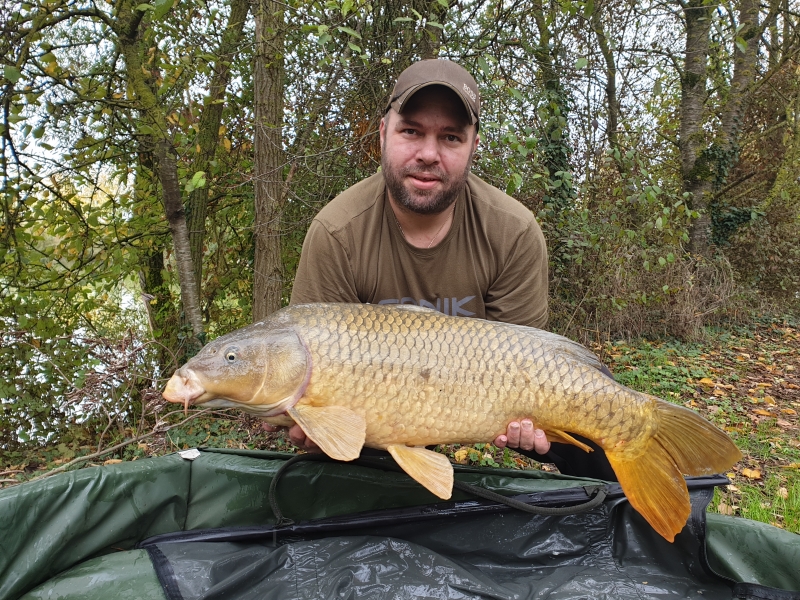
column 696, row 446
column 684, row 442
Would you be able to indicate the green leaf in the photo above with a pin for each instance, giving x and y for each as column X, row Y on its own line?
column 197, row 182
column 162, row 7
column 349, row 31
column 402, row 19
column 484, row 66
column 354, row 47
column 659, row 223
column 741, row 44
column 581, row 63
column 444, row 3
column 662, row 261
column 657, row 88
column 347, row 6
column 145, row 7
column 11, row 73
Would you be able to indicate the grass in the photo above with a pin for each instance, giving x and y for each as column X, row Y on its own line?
column 745, row 380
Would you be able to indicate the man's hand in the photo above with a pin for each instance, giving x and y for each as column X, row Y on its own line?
column 297, row 436
column 525, row 436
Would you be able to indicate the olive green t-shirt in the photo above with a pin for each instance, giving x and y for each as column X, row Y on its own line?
column 492, row 264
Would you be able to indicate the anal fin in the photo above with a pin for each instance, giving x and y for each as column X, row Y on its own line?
column 430, row 469
column 338, row 431
column 556, row 435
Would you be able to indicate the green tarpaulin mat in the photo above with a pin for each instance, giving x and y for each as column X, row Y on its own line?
column 175, row 527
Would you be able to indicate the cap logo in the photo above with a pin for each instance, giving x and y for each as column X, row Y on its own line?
column 470, row 93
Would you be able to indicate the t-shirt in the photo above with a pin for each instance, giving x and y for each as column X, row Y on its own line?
column 492, row 264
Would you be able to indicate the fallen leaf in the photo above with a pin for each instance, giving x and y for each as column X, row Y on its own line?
column 725, row 509
column 782, row 423
column 789, row 411
column 706, row 382
column 793, row 386
column 751, row 473
column 112, row 461
column 783, row 493
column 763, row 413
column 769, row 400
column 460, row 456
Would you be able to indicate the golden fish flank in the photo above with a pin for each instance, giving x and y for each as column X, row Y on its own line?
column 398, row 378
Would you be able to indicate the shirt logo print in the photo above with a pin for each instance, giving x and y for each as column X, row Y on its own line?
column 448, row 306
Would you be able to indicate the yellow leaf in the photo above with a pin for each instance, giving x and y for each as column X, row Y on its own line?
column 460, row 455
column 706, row 382
column 783, row 493
column 751, row 473
column 763, row 413
column 222, row 130
column 769, row 400
column 227, row 144
column 112, row 461
column 789, row 411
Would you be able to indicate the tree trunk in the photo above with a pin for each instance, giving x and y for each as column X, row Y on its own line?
column 208, row 134
column 612, row 103
column 269, row 158
column 176, row 217
column 153, row 117
column 695, row 168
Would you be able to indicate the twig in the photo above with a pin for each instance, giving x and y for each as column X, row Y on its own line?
column 134, row 440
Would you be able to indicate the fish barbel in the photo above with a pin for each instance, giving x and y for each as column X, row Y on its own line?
column 400, row 378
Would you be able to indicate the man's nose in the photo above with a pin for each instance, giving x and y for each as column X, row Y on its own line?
column 428, row 151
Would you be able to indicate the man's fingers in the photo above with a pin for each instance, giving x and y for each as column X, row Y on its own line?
column 526, row 434
column 540, row 443
column 298, row 437
column 513, row 433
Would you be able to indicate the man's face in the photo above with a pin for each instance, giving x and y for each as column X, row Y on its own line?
column 427, row 150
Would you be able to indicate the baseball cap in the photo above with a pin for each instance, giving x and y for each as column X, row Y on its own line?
column 437, row 72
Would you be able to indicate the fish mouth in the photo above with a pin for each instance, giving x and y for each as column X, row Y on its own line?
column 184, row 387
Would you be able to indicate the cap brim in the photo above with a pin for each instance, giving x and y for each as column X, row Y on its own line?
column 400, row 101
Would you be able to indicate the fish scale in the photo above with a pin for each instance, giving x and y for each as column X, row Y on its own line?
column 401, row 378
column 488, row 365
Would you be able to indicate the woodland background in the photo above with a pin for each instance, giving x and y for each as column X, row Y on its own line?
column 161, row 163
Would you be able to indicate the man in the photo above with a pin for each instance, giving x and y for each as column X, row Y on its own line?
column 425, row 230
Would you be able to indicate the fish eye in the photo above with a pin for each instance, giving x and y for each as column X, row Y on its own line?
column 230, row 354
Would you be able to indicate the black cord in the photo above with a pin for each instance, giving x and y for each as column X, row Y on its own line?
column 597, row 493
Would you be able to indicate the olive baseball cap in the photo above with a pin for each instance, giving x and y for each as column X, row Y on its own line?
column 437, row 72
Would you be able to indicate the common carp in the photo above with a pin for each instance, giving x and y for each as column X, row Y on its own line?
column 400, row 378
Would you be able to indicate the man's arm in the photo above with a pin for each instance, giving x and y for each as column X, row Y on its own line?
column 519, row 293
column 324, row 273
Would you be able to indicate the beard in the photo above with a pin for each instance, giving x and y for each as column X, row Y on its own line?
column 423, row 202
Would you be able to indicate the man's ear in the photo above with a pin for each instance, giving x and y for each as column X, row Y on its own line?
column 382, row 130
column 477, row 139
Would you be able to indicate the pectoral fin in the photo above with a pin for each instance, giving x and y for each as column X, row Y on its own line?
column 431, row 469
column 338, row 431
column 556, row 435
